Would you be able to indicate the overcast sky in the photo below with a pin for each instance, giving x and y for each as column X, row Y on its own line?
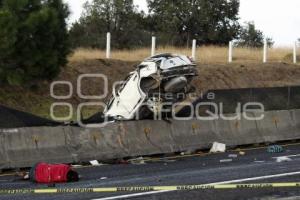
column 279, row 19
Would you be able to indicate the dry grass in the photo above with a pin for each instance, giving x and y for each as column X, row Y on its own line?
column 205, row 54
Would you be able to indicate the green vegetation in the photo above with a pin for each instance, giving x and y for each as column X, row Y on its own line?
column 119, row 17
column 210, row 22
column 23, row 98
column 251, row 37
column 174, row 22
column 33, row 40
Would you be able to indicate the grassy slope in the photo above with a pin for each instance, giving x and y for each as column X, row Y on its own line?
column 37, row 100
column 26, row 100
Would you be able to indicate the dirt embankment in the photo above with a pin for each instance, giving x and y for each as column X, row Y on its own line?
column 246, row 76
column 36, row 99
column 217, row 76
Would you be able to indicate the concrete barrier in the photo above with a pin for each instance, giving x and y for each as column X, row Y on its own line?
column 119, row 140
column 274, row 98
column 90, row 144
column 296, row 118
column 278, row 126
column 237, row 132
column 67, row 144
column 149, row 136
column 3, row 157
column 192, row 135
column 27, row 146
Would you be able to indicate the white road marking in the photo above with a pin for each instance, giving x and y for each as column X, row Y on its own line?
column 288, row 156
column 132, row 195
column 283, row 159
column 216, row 183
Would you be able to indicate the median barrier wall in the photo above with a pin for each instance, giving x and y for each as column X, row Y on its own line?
column 26, row 146
column 278, row 126
column 67, row 144
column 3, row 157
column 296, row 119
column 275, row 98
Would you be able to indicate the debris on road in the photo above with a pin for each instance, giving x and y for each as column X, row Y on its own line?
column 137, row 161
column 259, row 161
column 275, row 149
column 95, row 163
column 225, row 160
column 168, row 160
column 50, row 174
column 283, row 159
column 232, row 155
column 76, row 166
column 186, row 153
column 218, row 147
column 242, row 153
column 122, row 161
column 26, row 176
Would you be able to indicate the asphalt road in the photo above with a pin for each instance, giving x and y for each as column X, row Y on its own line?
column 256, row 166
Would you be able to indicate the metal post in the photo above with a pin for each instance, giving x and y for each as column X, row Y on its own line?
column 265, row 50
column 153, row 46
column 108, row 38
column 230, row 52
column 295, row 53
column 194, row 46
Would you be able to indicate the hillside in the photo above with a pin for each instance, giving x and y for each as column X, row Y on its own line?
column 36, row 98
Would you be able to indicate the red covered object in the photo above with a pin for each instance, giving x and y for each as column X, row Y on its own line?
column 51, row 173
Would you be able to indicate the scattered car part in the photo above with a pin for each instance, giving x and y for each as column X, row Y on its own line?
column 225, row 160
column 275, row 149
column 95, row 163
column 218, row 147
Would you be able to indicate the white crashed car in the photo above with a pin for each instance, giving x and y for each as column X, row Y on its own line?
column 157, row 83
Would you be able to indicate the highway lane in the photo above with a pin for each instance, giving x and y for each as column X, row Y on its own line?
column 256, row 164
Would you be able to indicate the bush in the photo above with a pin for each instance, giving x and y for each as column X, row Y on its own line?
column 251, row 37
column 33, row 40
column 118, row 17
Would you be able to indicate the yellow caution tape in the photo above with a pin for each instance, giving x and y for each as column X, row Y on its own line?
column 149, row 188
